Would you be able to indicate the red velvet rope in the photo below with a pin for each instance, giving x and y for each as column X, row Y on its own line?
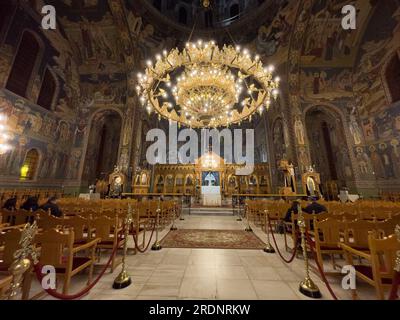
column 148, row 245
column 55, row 294
column 395, row 282
column 395, row 286
column 277, row 248
column 311, row 244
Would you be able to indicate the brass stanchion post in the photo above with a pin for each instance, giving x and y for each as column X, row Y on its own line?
column 181, row 215
column 269, row 248
column 123, row 280
column 397, row 264
column 173, row 227
column 22, row 263
column 248, row 228
column 157, row 246
column 307, row 286
column 239, row 212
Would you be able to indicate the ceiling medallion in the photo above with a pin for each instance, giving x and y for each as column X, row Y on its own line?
column 206, row 86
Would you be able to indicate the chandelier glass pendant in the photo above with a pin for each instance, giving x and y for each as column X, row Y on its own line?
column 206, row 86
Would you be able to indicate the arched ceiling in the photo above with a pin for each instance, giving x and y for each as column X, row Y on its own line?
column 242, row 28
column 323, row 53
column 219, row 14
column 266, row 26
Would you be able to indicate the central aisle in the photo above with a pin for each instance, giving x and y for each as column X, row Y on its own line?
column 210, row 273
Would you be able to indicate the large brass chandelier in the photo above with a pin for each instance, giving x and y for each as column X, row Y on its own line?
column 206, row 86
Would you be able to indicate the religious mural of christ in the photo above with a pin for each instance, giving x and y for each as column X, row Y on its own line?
column 210, row 179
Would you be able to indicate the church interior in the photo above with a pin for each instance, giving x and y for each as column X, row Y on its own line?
column 199, row 149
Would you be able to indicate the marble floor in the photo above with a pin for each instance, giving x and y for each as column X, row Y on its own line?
column 211, row 273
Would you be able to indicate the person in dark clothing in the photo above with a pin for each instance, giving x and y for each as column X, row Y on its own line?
column 51, row 205
column 293, row 209
column 315, row 207
column 10, row 204
column 31, row 204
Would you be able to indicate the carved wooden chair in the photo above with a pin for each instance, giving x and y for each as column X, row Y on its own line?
column 3, row 226
column 6, row 217
column 346, row 216
column 328, row 233
column 23, row 217
column 144, row 219
column 165, row 212
column 108, row 231
column 81, row 227
column 291, row 227
column 47, row 222
column 57, row 249
column 357, row 234
column 17, row 217
column 379, row 269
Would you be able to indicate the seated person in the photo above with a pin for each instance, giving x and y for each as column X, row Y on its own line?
column 51, row 205
column 293, row 209
column 315, row 207
column 30, row 204
column 10, row 204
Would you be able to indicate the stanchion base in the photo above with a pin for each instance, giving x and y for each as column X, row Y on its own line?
column 156, row 247
column 248, row 229
column 174, row 228
column 269, row 249
column 310, row 289
column 122, row 281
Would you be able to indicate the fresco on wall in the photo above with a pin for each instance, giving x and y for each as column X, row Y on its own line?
column 273, row 39
column 279, row 140
column 90, row 28
column 329, row 153
column 326, row 83
column 103, row 89
column 327, row 42
column 382, row 37
column 382, row 135
column 56, row 54
column 260, row 143
column 34, row 129
column 96, row 44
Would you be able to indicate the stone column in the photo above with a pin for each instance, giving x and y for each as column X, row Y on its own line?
column 126, row 143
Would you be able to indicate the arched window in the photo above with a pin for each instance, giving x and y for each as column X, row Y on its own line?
column 24, row 63
column 393, row 78
column 47, row 91
column 234, row 10
column 31, row 163
column 182, row 15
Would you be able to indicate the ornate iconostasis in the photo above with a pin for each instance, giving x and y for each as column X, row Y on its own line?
column 188, row 179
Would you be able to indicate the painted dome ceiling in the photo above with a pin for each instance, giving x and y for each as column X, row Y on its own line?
column 206, row 14
column 184, row 17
